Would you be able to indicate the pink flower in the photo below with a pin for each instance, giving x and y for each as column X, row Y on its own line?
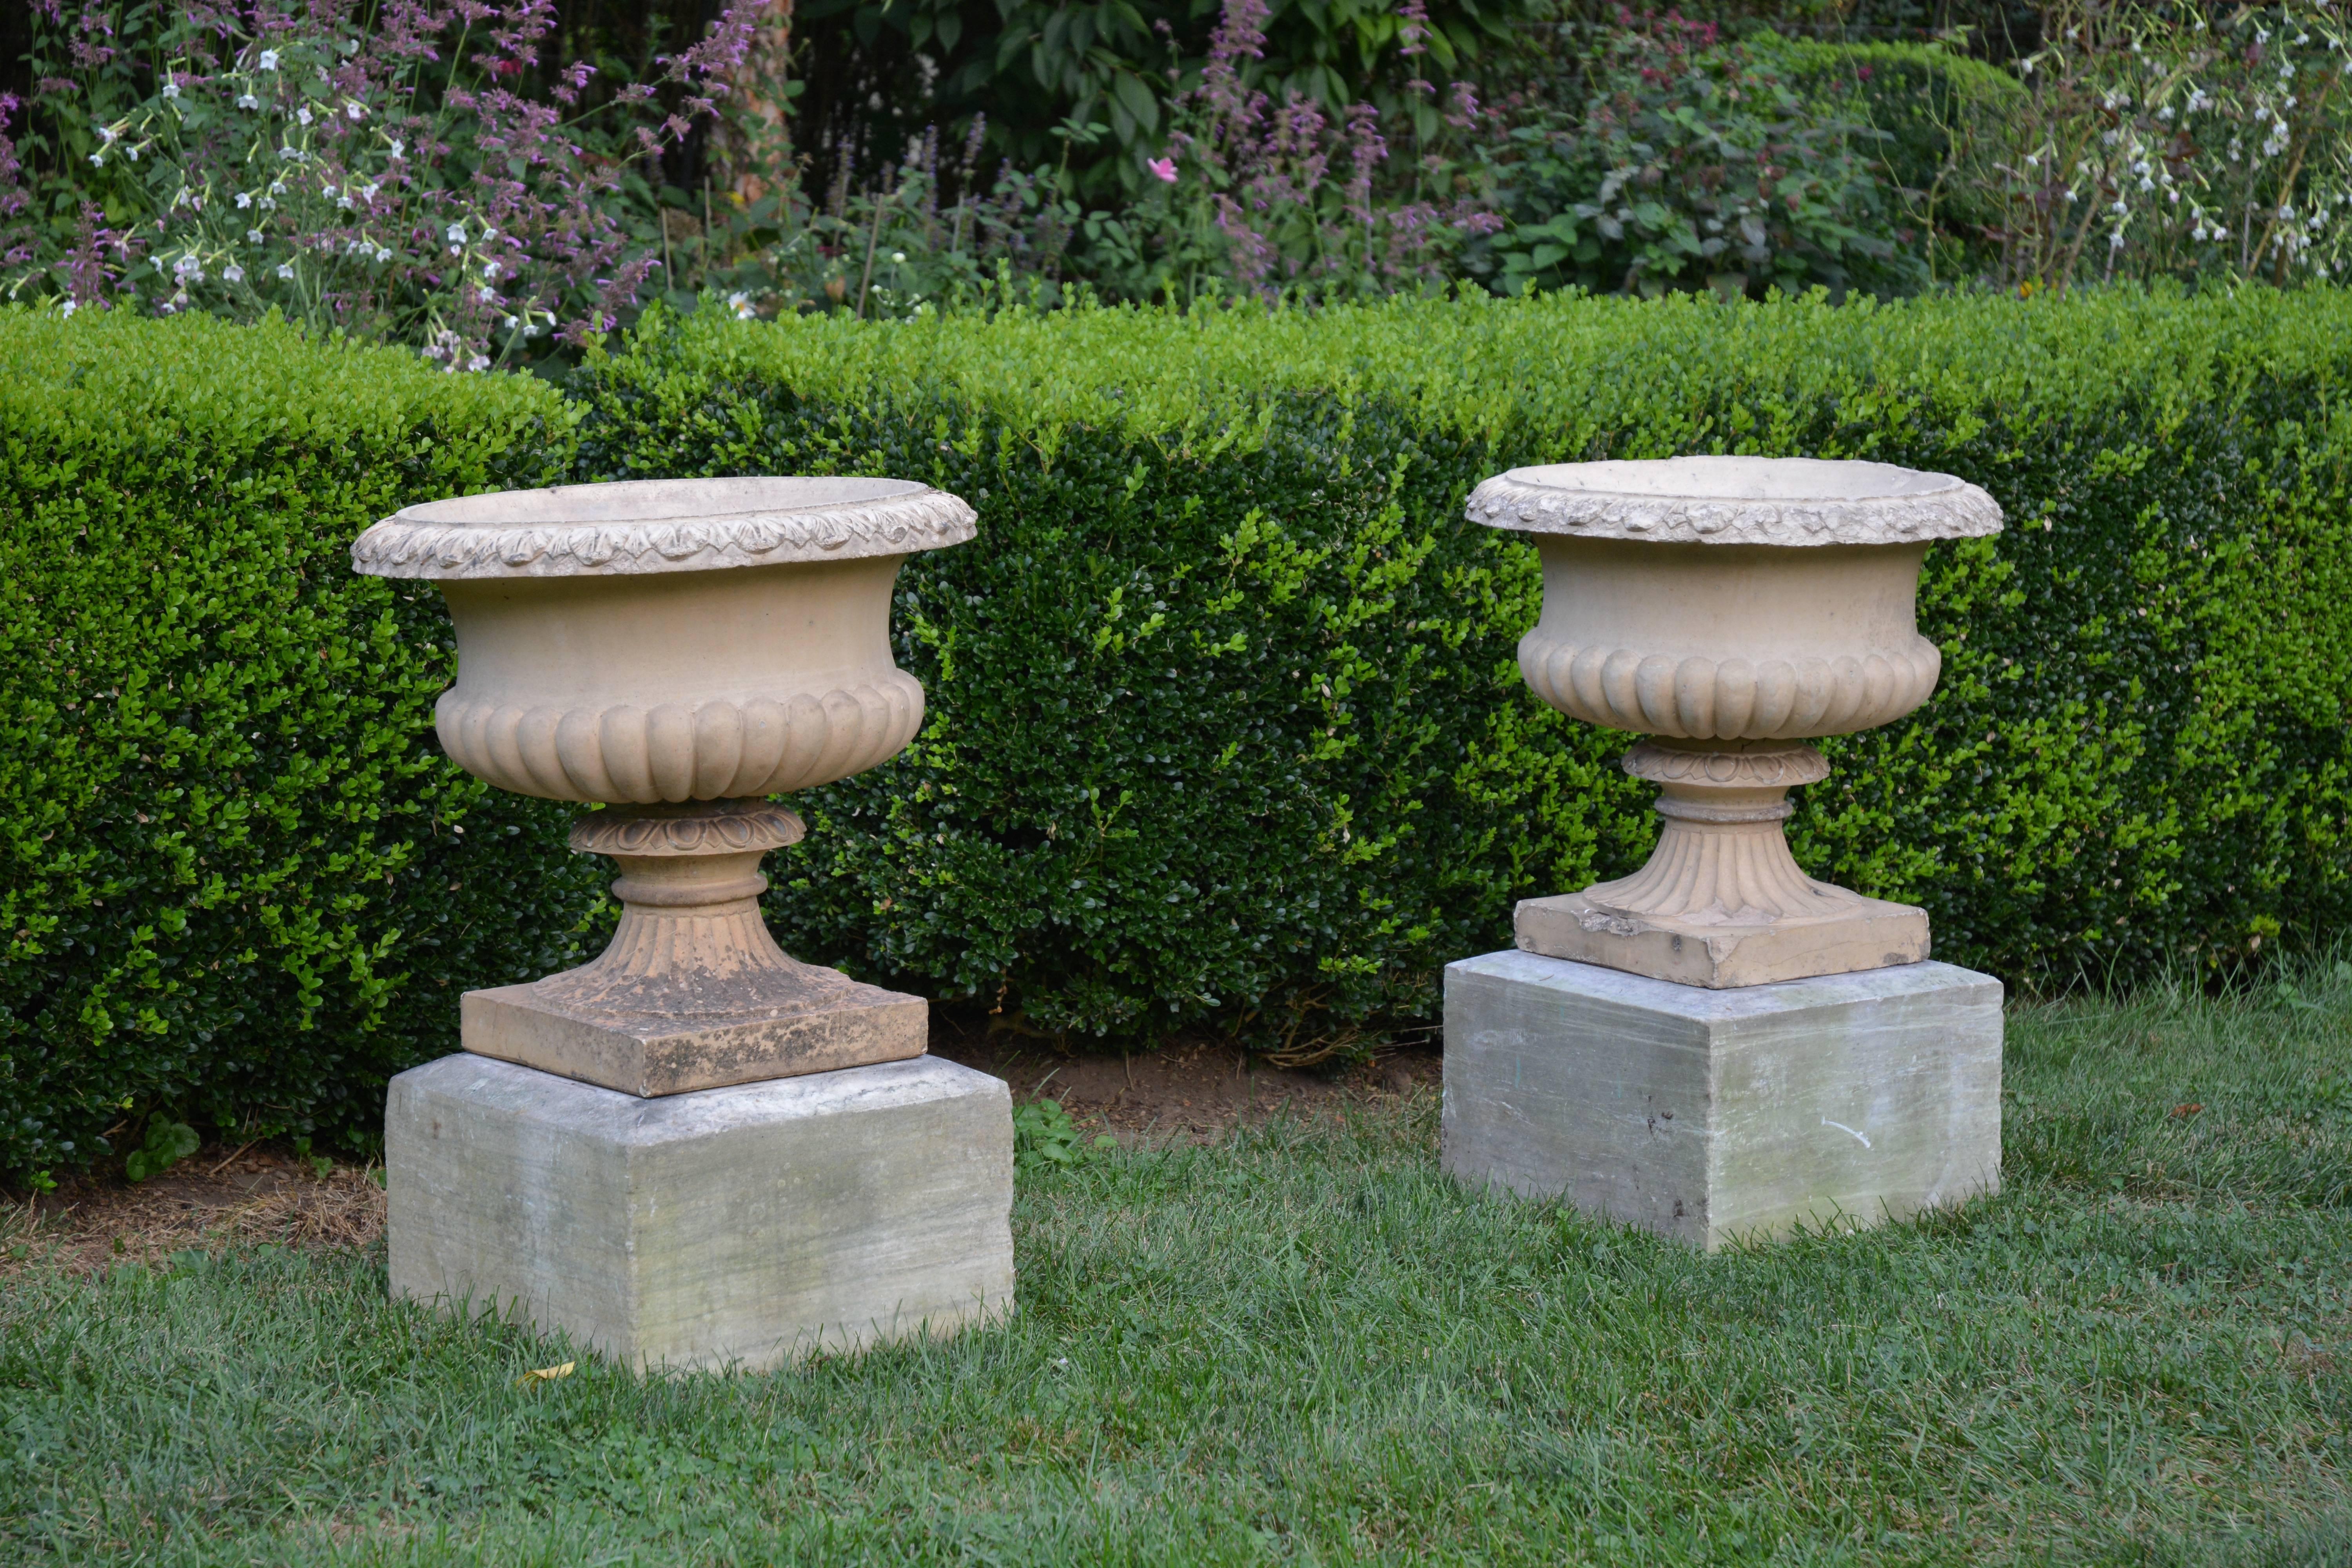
column 1164, row 168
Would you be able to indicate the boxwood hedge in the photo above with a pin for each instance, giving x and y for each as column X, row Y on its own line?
column 1225, row 727
column 233, row 882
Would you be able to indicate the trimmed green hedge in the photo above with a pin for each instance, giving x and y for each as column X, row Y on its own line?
column 1225, row 726
column 231, row 878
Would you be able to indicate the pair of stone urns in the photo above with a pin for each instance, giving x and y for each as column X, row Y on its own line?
column 697, row 1150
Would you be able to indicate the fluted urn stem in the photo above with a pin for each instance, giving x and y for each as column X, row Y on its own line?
column 689, row 890
column 1722, row 857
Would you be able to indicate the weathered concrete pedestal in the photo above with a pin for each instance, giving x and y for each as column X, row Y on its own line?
column 1717, row 1115
column 739, row 1226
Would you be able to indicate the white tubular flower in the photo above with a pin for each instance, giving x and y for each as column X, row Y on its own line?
column 456, row 235
column 2116, row 241
column 269, row 59
column 285, row 270
column 478, row 362
column 233, row 273
column 356, row 110
column 489, row 296
column 399, row 149
column 489, row 269
column 303, row 114
column 171, row 89
column 246, row 100
column 98, row 160
column 244, row 199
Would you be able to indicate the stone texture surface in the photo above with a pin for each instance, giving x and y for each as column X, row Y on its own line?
column 640, row 526
column 1715, row 1115
column 734, row 1227
column 779, row 1023
column 1861, row 933
column 1737, row 500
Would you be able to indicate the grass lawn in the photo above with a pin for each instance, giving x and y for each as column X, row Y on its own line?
column 1304, row 1345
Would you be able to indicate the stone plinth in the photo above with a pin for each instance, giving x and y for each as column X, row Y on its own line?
column 1717, row 1115
column 1860, row 934
column 771, row 1023
column 743, row 1226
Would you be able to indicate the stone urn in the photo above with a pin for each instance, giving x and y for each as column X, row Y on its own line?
column 677, row 651
column 1730, row 609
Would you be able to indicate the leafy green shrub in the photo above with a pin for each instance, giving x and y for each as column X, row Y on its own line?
column 1227, row 727
column 168, row 1142
column 1945, row 124
column 235, row 878
column 1693, row 160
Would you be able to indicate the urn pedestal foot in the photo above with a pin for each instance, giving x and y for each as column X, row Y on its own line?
column 740, row 1226
column 692, row 992
column 1868, row 934
column 1722, row 903
column 1721, row 1115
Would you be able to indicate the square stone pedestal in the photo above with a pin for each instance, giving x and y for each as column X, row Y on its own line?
column 1715, row 1115
column 740, row 1226
column 1861, row 934
column 644, row 1039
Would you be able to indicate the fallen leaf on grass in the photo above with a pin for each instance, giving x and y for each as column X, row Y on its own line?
column 546, row 1373
column 2190, row 1108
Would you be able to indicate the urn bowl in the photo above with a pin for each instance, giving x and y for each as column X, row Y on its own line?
column 672, row 640
column 1731, row 599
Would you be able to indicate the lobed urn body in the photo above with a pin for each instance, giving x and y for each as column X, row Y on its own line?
column 1730, row 609
column 677, row 652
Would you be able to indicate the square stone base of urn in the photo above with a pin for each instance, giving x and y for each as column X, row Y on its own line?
column 1865, row 934
column 1715, row 1115
column 698, row 1033
column 740, row 1226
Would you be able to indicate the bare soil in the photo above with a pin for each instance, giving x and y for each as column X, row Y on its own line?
column 1192, row 1091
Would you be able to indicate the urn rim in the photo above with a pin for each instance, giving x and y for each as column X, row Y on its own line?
column 634, row 527
column 1790, row 501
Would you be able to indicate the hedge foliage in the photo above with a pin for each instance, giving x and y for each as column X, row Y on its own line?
column 232, row 881
column 1225, row 725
